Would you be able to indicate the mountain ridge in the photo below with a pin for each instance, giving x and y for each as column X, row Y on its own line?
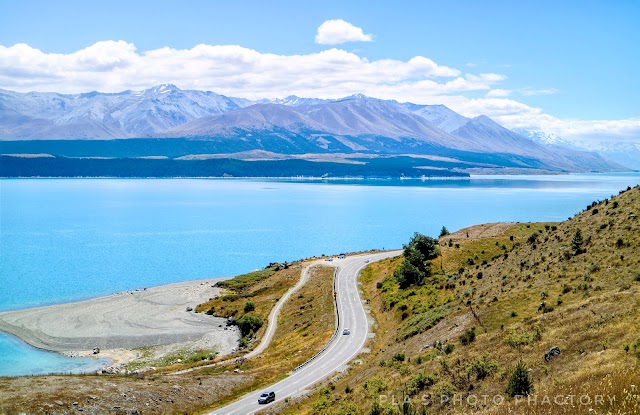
column 292, row 124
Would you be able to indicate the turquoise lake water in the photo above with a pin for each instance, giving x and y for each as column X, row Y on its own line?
column 70, row 239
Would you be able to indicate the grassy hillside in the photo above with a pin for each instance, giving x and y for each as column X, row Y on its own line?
column 500, row 294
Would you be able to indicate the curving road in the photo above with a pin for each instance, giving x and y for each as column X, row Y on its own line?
column 340, row 350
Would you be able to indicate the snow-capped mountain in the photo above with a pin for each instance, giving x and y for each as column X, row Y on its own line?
column 352, row 116
column 546, row 138
column 360, row 115
column 626, row 154
column 289, row 125
column 98, row 115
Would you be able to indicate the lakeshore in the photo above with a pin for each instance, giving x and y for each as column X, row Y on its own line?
column 120, row 325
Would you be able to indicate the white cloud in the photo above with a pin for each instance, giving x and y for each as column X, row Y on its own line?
column 113, row 66
column 530, row 91
column 514, row 114
column 231, row 70
column 498, row 93
column 334, row 32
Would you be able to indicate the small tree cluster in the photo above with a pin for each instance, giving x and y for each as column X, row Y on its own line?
column 416, row 266
column 248, row 324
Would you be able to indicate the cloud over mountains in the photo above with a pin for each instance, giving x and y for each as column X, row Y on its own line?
column 111, row 66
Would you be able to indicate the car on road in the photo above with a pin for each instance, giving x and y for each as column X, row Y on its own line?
column 267, row 397
column 366, row 261
column 346, row 332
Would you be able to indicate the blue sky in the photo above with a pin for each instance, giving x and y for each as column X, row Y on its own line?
column 573, row 61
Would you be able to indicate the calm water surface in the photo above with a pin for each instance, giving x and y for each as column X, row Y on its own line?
column 70, row 239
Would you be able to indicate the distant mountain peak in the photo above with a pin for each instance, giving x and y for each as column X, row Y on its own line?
column 162, row 88
column 359, row 97
column 483, row 119
column 439, row 115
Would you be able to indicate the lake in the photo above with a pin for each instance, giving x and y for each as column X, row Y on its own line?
column 71, row 239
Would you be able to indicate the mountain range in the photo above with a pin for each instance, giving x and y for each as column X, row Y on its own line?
column 293, row 125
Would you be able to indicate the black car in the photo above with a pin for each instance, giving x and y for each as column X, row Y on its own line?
column 267, row 397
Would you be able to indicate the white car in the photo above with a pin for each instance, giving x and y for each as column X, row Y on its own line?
column 346, row 332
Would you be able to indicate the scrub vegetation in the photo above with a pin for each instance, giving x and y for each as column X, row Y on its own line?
column 522, row 313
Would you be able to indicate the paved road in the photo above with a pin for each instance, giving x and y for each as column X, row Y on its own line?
column 339, row 352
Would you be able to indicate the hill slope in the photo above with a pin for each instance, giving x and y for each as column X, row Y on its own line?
column 498, row 294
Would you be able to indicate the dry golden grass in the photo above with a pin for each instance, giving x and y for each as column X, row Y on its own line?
column 263, row 294
column 591, row 312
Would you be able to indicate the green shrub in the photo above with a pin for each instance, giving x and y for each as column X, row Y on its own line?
column 517, row 339
column 248, row 323
column 448, row 348
column 244, row 281
column 375, row 408
column 419, row 382
column 200, row 355
column 468, row 337
column 243, row 342
column 399, row 357
column 374, row 386
column 443, row 391
column 482, row 367
column 249, row 306
column 321, row 404
column 520, row 382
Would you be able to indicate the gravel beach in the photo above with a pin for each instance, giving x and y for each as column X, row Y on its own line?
column 146, row 317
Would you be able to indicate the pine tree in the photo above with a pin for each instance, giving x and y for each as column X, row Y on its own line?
column 576, row 243
column 520, row 383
